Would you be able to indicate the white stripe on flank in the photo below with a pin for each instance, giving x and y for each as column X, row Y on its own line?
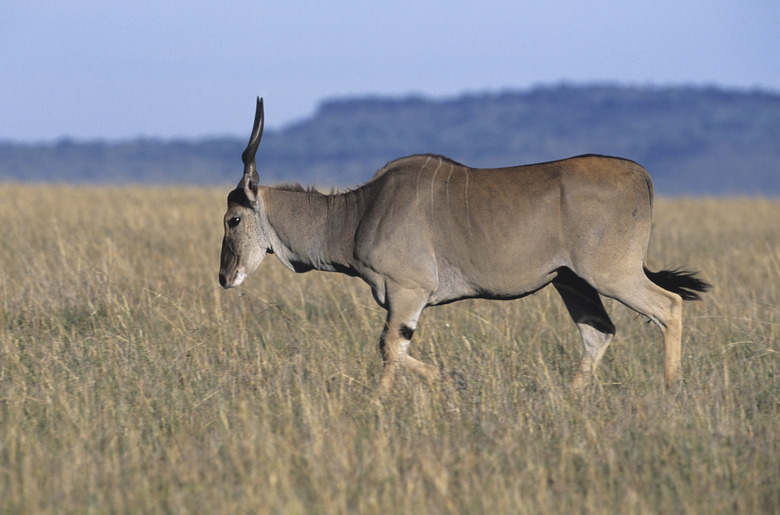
column 417, row 187
column 468, row 216
column 452, row 168
column 433, row 179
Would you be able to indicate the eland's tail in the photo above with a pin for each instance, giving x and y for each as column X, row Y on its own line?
column 682, row 282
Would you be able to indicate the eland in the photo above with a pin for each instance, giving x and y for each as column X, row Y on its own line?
column 426, row 230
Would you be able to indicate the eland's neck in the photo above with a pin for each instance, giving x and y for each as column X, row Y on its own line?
column 310, row 230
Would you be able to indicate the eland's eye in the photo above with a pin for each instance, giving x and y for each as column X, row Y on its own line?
column 234, row 221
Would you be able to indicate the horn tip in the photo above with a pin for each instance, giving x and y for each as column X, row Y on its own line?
column 259, row 110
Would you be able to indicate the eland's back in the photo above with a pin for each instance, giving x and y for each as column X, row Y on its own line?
column 503, row 233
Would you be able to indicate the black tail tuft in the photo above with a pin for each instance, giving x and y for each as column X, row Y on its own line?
column 682, row 282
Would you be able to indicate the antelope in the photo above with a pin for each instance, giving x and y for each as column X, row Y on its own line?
column 426, row 230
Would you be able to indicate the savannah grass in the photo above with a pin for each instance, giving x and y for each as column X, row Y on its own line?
column 131, row 382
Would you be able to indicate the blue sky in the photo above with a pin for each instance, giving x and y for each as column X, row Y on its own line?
column 93, row 69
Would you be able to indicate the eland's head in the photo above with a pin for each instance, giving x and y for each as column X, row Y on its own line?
column 245, row 243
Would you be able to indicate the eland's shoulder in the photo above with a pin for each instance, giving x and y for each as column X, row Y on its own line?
column 416, row 161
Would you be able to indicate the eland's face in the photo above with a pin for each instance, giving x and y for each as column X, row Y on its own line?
column 242, row 247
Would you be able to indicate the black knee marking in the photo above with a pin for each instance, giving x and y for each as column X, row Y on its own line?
column 406, row 332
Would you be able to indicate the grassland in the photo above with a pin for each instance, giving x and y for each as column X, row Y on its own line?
column 130, row 382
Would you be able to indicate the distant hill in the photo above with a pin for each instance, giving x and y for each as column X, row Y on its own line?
column 692, row 140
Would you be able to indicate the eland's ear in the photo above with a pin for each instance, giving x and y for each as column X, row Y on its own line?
column 250, row 189
column 248, row 157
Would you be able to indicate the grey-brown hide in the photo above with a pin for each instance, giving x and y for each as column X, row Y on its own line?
column 426, row 230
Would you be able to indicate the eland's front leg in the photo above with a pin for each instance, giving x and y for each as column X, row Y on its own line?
column 403, row 312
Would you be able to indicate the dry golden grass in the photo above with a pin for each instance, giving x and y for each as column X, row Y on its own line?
column 130, row 382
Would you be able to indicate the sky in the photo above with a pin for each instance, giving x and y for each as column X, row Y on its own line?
column 92, row 69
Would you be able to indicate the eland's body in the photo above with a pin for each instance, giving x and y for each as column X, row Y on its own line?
column 426, row 230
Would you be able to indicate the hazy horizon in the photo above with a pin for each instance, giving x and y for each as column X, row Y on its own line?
column 124, row 70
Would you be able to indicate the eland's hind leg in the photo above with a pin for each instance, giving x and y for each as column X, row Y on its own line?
column 596, row 329
column 663, row 307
